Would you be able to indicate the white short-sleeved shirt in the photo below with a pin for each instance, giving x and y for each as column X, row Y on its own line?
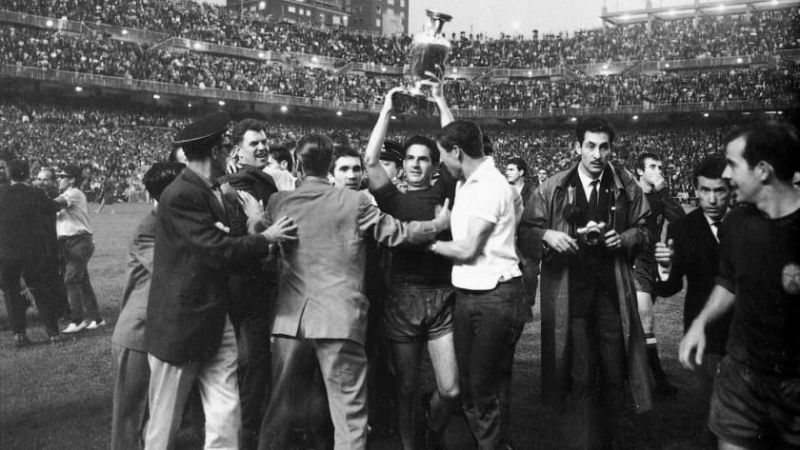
column 74, row 219
column 486, row 195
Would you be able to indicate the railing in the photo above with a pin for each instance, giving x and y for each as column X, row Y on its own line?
column 85, row 79
column 226, row 50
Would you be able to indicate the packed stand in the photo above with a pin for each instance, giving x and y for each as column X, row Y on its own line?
column 762, row 33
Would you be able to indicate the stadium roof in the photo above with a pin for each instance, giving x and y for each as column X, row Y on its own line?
column 712, row 8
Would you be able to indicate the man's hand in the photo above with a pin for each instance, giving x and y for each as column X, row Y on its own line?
column 612, row 240
column 664, row 253
column 436, row 85
column 232, row 166
column 560, row 242
column 283, row 230
column 252, row 208
column 693, row 342
column 388, row 105
column 442, row 219
column 659, row 183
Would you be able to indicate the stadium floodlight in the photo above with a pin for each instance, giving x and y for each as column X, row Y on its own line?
column 49, row 23
column 124, row 32
column 221, row 102
column 739, row 60
column 156, row 96
column 393, row 117
column 705, row 114
column 671, row 12
column 284, row 108
column 339, row 113
column 635, row 117
column 574, row 119
column 314, row 59
column 78, row 89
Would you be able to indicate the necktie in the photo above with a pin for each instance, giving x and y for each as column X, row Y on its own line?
column 593, row 195
column 715, row 228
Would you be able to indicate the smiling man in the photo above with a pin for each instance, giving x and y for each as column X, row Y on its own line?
column 756, row 398
column 592, row 339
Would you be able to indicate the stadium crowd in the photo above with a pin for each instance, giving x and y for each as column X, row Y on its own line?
column 758, row 33
column 97, row 55
column 117, row 143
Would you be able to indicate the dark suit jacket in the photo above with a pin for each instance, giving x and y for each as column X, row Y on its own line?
column 696, row 258
column 27, row 222
column 189, row 296
column 129, row 330
column 527, row 191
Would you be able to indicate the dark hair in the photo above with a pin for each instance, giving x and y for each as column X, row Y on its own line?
column 427, row 142
column 315, row 154
column 774, row 142
column 341, row 152
column 243, row 126
column 488, row 148
column 640, row 160
column 340, row 140
column 594, row 125
column 520, row 163
column 19, row 170
column 464, row 134
column 280, row 153
column 159, row 176
column 710, row 167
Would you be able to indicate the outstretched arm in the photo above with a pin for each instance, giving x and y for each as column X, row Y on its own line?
column 376, row 176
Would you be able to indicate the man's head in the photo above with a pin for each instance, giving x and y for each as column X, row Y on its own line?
column 516, row 169
column 314, row 155
column 649, row 169
column 595, row 138
column 761, row 155
column 202, row 140
column 347, row 168
column 420, row 158
column 280, row 158
column 159, row 176
column 249, row 138
column 542, row 174
column 713, row 192
column 69, row 176
column 459, row 141
column 5, row 158
column 391, row 159
column 19, row 170
column 45, row 179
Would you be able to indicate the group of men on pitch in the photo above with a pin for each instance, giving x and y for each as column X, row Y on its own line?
column 261, row 299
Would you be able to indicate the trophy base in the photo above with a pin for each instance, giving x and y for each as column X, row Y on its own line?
column 413, row 102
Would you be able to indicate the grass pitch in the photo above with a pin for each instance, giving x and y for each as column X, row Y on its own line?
column 59, row 397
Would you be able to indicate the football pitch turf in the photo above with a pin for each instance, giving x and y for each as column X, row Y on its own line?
column 59, row 397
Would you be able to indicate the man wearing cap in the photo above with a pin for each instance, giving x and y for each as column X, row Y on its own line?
column 76, row 246
column 391, row 159
column 189, row 336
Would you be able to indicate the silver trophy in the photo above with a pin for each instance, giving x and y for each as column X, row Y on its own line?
column 429, row 50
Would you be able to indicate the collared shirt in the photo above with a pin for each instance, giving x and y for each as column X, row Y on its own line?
column 74, row 218
column 486, row 195
column 714, row 225
column 586, row 182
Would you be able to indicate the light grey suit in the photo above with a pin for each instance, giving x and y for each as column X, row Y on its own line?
column 321, row 309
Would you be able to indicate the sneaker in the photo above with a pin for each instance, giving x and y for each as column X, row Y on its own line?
column 21, row 340
column 95, row 324
column 75, row 327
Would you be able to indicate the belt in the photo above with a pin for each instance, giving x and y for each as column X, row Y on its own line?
column 500, row 282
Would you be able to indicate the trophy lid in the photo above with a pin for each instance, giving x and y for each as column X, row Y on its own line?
column 438, row 16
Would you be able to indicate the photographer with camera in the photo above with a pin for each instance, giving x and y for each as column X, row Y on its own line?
column 586, row 225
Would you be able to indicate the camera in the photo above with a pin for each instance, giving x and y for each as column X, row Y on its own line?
column 592, row 234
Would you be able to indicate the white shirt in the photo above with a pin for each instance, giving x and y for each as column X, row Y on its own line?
column 486, row 195
column 74, row 219
column 586, row 182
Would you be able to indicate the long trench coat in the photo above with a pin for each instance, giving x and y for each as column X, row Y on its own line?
column 544, row 211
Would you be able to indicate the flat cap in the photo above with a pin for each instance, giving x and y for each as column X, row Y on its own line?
column 392, row 151
column 205, row 128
